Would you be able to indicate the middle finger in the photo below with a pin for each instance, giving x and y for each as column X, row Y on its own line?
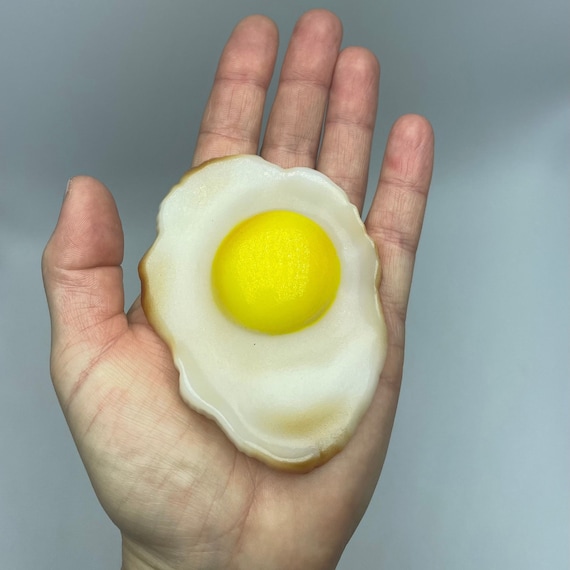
column 295, row 122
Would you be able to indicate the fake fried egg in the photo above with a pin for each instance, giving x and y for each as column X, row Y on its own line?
column 263, row 283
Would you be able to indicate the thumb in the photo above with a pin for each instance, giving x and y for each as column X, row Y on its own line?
column 81, row 270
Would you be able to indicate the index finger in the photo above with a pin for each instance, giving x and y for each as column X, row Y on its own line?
column 232, row 119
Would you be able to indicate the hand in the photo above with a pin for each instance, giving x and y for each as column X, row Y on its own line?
column 181, row 494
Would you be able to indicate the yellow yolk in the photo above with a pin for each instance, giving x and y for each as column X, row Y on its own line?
column 276, row 272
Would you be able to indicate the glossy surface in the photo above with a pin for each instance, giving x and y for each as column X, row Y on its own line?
column 292, row 400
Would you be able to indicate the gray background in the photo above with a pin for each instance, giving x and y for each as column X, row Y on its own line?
column 478, row 473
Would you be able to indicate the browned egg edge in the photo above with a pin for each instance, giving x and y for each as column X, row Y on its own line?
column 151, row 315
column 297, row 467
column 142, row 269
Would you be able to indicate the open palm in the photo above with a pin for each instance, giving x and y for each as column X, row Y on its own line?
column 179, row 491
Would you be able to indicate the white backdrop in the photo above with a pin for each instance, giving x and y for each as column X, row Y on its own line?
column 478, row 471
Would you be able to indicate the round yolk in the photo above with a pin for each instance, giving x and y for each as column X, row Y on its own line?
column 276, row 272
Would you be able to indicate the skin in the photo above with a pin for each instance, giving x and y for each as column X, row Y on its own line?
column 182, row 496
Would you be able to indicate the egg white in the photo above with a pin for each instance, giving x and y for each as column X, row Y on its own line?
column 291, row 400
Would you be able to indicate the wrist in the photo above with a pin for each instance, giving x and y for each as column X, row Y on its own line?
column 136, row 558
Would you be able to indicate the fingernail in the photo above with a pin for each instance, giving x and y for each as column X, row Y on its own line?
column 67, row 188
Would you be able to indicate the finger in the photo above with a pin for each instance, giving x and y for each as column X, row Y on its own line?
column 295, row 123
column 81, row 267
column 394, row 222
column 349, row 123
column 232, row 119
column 397, row 213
